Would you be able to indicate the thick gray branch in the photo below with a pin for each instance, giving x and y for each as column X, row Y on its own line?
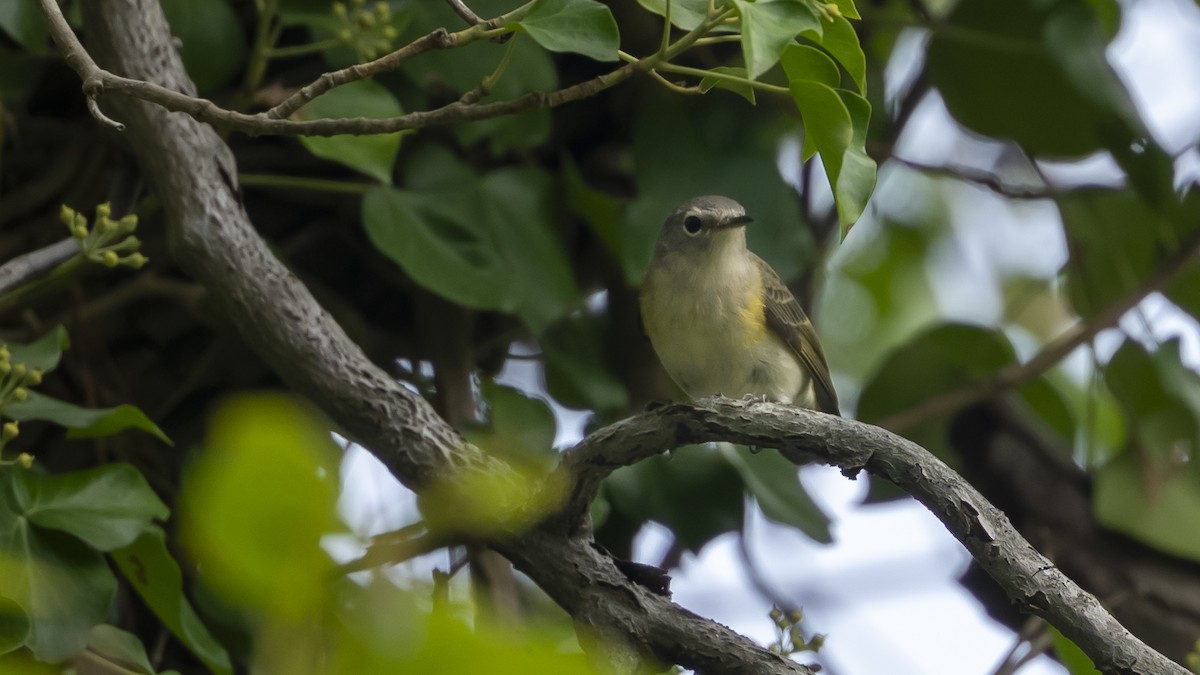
column 1031, row 581
column 25, row 268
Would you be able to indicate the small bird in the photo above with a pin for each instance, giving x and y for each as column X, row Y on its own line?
column 721, row 320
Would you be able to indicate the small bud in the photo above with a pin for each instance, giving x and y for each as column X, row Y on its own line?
column 25, row 460
column 103, row 210
column 19, row 370
column 776, row 614
column 80, row 221
column 10, row 431
column 35, row 377
column 816, row 642
column 833, row 10
column 20, row 394
column 137, row 261
column 130, row 221
column 344, row 35
column 390, row 32
column 79, row 231
column 383, row 11
column 4, row 353
column 796, row 615
column 106, row 225
column 339, row 9
column 366, row 20
column 111, row 259
column 369, row 53
column 67, row 215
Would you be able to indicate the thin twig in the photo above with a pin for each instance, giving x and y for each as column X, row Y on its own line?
column 465, row 12
column 24, row 268
column 978, row 177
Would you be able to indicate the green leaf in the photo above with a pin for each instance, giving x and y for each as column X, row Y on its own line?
column 578, row 374
column 685, row 14
column 447, row 255
column 1071, row 656
column 211, row 42
column 840, row 39
column 107, row 507
column 117, row 646
column 14, row 625
column 520, row 428
column 830, row 129
column 267, row 461
column 581, row 26
column 1027, row 96
column 599, row 209
column 155, row 576
column 694, row 491
column 1161, row 510
column 23, row 21
column 84, row 422
column 767, row 29
column 742, row 89
column 774, row 482
column 933, row 362
column 63, row 586
column 43, row 353
column 488, row 244
column 802, row 62
column 372, row 155
column 1116, row 241
column 847, row 8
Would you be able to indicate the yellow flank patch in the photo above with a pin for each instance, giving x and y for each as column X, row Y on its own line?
column 753, row 316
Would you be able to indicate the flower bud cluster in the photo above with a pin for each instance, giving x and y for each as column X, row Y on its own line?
column 108, row 242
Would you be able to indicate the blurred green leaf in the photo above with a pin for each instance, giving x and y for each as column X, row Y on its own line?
column 84, row 422
column 212, row 44
column 742, row 89
column 694, row 492
column 581, row 26
column 1116, row 241
column 577, row 371
column 63, row 586
column 373, row 155
column 774, row 482
column 1007, row 41
column 154, row 574
column 43, row 353
column 933, row 362
column 685, row 14
column 22, row 20
column 1071, row 656
column 802, row 62
column 107, row 507
column 768, row 26
column 14, row 625
column 119, row 647
column 1045, row 400
column 267, row 460
column 1161, row 510
column 1184, row 290
column 599, row 209
column 519, row 428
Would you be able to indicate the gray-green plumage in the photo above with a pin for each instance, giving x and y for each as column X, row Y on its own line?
column 721, row 320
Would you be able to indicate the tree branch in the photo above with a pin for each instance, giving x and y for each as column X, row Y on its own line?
column 97, row 81
column 1030, row 580
column 29, row 266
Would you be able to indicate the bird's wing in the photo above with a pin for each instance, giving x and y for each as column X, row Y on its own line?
column 788, row 321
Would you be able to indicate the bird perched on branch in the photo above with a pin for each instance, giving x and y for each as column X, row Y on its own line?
column 721, row 320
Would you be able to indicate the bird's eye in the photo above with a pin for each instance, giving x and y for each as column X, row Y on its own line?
column 692, row 224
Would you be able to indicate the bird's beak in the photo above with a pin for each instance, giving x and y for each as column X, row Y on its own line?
column 736, row 221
